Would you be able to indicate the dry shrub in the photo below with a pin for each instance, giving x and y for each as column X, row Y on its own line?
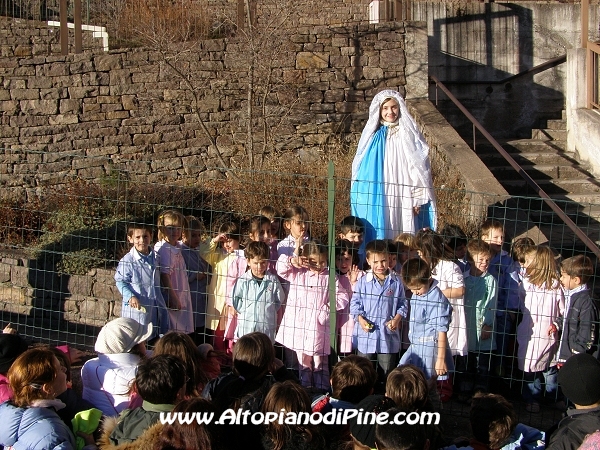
column 20, row 222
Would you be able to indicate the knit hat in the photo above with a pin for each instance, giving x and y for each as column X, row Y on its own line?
column 579, row 379
column 121, row 335
column 11, row 346
column 365, row 432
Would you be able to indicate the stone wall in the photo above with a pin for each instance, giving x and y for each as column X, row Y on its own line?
column 90, row 114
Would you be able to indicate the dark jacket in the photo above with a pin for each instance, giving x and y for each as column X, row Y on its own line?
column 579, row 334
column 73, row 405
column 133, row 422
column 573, row 429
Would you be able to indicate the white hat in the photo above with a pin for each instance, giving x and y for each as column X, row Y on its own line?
column 121, row 335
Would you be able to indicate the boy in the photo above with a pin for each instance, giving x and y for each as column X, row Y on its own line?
column 352, row 229
column 377, row 305
column 138, row 281
column 579, row 331
column 481, row 296
column 502, row 268
column 403, row 436
column 160, row 381
column 257, row 294
column 352, row 379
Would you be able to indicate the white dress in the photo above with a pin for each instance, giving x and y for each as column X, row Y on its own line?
column 448, row 275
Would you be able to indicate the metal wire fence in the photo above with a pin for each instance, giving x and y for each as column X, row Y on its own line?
column 61, row 244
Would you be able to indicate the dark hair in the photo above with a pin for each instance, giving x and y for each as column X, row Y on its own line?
column 253, row 355
column 476, row 247
column 520, row 247
column 351, row 224
column 192, row 436
column 432, row 247
column 407, row 386
column 453, row 236
column 391, row 436
column 132, row 226
column 493, row 419
column 159, row 379
column 377, row 246
column 313, row 247
column 257, row 249
column 231, row 229
column 179, row 344
column 344, row 246
column 415, row 271
column 255, row 224
column 353, row 378
column 191, row 223
column 392, row 247
column 578, row 266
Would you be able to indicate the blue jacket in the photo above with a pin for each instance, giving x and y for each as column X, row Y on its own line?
column 33, row 428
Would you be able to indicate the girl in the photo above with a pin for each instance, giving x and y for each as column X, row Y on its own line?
column 450, row 281
column 173, row 273
column 220, row 253
column 392, row 188
column 270, row 213
column 197, row 270
column 295, row 224
column 30, row 420
column 542, row 304
column 305, row 324
column 346, row 268
column 517, row 252
column 456, row 240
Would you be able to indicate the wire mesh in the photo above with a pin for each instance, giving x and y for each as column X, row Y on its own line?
column 61, row 245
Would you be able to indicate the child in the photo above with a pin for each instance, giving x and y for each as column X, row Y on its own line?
column 257, row 294
column 138, row 281
column 517, row 252
column 270, row 213
column 579, row 333
column 403, row 436
column 352, row 229
column 456, row 240
column 305, row 325
column 160, row 381
column 502, row 268
column 450, row 281
column 542, row 304
column 481, row 297
column 377, row 305
column 407, row 386
column 392, row 248
column 430, row 315
column 346, row 266
column 407, row 248
column 220, row 253
column 352, row 379
column 197, row 270
column 173, row 273
column 295, row 224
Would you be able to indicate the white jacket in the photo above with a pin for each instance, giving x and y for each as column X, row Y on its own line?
column 107, row 379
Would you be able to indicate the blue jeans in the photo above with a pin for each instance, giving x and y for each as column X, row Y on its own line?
column 532, row 390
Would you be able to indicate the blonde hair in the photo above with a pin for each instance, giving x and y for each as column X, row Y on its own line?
column 408, row 240
column 542, row 271
column 191, row 224
column 175, row 216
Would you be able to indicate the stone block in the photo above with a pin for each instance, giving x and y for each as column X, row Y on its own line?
column 392, row 59
column 19, row 276
column 9, row 107
column 70, row 106
column 117, row 115
column 56, row 70
column 62, row 119
column 118, row 140
column 25, row 94
column 54, row 93
column 80, row 285
column 104, row 63
column 310, row 60
column 5, row 272
column 145, row 139
column 39, row 83
column 339, row 61
column 83, row 92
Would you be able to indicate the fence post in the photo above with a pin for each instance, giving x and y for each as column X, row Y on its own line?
column 64, row 28
column 331, row 241
column 77, row 23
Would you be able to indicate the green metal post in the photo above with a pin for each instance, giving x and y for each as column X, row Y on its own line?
column 331, row 240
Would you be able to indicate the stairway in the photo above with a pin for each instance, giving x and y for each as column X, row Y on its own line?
column 559, row 174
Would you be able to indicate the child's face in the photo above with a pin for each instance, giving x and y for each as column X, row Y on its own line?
column 258, row 266
column 569, row 282
column 495, row 238
column 460, row 251
column 343, row 262
column 317, row 262
column 354, row 237
column 481, row 262
column 529, row 258
column 171, row 230
column 379, row 263
column 230, row 244
column 263, row 235
column 390, row 110
column 275, row 227
column 418, row 289
column 140, row 239
column 59, row 384
column 194, row 240
column 296, row 226
column 392, row 260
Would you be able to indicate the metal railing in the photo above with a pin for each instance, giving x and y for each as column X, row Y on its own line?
column 592, row 75
column 530, row 181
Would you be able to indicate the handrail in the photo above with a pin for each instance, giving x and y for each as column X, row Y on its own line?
column 530, row 181
column 536, row 69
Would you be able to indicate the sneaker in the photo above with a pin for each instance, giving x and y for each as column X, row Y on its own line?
column 532, row 407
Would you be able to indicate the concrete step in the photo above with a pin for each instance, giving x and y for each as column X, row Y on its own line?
column 528, row 159
column 584, row 186
column 548, row 134
column 559, row 171
column 555, row 124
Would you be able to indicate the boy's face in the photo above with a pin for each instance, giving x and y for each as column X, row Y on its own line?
column 418, row 289
column 354, row 237
column 495, row 238
column 569, row 282
column 481, row 262
column 140, row 239
column 258, row 266
column 392, row 260
column 343, row 262
column 380, row 263
column 194, row 240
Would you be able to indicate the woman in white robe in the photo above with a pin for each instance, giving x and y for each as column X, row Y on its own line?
column 392, row 188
